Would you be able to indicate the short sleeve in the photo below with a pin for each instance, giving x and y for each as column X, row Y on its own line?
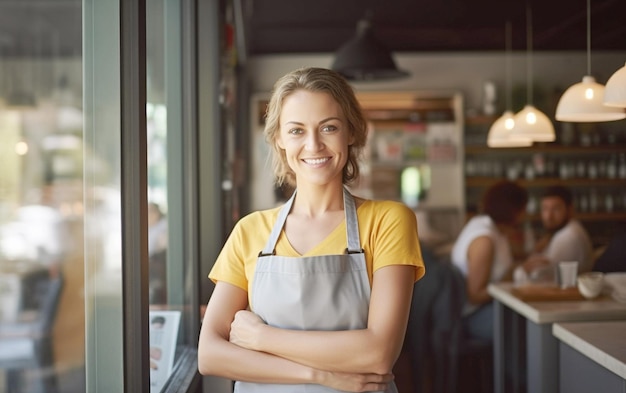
column 395, row 238
column 230, row 264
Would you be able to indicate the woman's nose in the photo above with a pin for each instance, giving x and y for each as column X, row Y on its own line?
column 313, row 142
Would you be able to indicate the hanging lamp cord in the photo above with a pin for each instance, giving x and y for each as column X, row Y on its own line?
column 588, row 37
column 507, row 64
column 529, row 50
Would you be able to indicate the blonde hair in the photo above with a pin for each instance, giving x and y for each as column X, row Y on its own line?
column 317, row 80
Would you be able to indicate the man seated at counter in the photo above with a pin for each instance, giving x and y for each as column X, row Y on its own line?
column 564, row 238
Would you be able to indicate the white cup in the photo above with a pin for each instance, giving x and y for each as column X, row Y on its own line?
column 590, row 284
column 568, row 272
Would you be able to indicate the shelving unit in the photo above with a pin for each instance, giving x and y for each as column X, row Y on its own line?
column 590, row 159
column 415, row 155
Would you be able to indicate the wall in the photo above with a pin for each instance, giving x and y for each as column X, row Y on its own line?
column 464, row 72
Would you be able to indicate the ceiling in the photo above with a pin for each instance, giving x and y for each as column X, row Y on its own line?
column 319, row 26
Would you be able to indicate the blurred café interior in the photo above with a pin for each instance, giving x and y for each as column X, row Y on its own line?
column 131, row 142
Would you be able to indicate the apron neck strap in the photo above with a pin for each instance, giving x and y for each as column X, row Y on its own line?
column 352, row 225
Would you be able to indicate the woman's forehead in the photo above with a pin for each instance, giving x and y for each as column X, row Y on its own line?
column 303, row 101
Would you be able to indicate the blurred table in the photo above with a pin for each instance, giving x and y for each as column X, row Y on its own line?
column 17, row 280
column 542, row 361
column 592, row 356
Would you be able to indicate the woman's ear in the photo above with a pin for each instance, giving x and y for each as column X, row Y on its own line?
column 351, row 138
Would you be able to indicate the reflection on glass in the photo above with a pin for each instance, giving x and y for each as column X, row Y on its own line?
column 165, row 182
column 157, row 250
column 42, row 321
column 157, row 201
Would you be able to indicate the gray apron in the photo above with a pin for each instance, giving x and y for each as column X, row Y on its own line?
column 328, row 292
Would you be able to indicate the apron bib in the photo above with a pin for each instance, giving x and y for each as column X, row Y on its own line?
column 328, row 292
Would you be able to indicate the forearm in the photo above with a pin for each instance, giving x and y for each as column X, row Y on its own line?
column 481, row 296
column 221, row 358
column 359, row 351
column 510, row 272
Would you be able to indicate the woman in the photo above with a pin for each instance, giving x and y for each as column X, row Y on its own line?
column 483, row 253
column 327, row 277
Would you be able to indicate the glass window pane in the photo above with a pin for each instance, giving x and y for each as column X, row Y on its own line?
column 42, row 226
column 166, row 182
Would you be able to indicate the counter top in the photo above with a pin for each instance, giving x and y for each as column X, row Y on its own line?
column 541, row 312
column 603, row 342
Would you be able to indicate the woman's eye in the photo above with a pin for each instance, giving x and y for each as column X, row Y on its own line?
column 329, row 128
column 295, row 131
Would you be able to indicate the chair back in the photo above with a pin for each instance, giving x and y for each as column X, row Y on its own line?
column 434, row 328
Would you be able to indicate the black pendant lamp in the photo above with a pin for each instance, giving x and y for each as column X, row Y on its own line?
column 364, row 58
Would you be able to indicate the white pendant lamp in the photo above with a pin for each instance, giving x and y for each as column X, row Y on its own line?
column 615, row 90
column 530, row 122
column 584, row 102
column 501, row 131
column 533, row 124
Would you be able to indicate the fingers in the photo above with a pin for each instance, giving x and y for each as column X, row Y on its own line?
column 351, row 382
column 377, row 382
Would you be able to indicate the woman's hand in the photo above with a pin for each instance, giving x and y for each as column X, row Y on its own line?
column 245, row 329
column 534, row 262
column 351, row 382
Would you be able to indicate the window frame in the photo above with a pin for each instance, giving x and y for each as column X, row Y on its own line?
column 185, row 377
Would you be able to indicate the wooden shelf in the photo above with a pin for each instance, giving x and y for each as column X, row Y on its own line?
column 547, row 148
column 410, row 162
column 590, row 217
column 545, row 182
column 481, row 120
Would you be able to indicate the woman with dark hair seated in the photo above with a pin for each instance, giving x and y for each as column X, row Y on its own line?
column 483, row 253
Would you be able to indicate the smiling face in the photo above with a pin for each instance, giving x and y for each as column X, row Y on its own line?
column 314, row 136
column 315, row 80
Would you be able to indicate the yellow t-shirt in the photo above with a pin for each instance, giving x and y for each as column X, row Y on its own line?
column 387, row 230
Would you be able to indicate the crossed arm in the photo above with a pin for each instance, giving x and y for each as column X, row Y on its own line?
column 236, row 344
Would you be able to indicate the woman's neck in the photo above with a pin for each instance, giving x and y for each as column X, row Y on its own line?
column 315, row 201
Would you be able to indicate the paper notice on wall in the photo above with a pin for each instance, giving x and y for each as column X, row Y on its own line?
column 163, row 337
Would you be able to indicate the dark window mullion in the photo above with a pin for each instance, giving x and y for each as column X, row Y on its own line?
column 189, row 82
column 134, row 195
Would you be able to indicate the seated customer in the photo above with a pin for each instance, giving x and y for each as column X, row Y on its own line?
column 483, row 253
column 565, row 239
